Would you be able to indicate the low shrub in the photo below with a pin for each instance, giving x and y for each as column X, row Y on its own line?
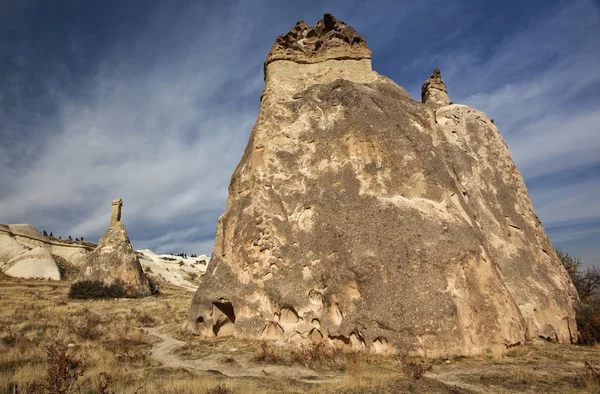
column 268, row 354
column 415, row 369
column 219, row 390
column 320, row 355
column 86, row 325
column 95, row 289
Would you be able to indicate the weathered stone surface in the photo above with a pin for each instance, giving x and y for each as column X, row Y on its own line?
column 36, row 263
column 73, row 253
column 9, row 246
column 115, row 215
column 356, row 218
column 328, row 39
column 18, row 238
column 114, row 261
column 433, row 91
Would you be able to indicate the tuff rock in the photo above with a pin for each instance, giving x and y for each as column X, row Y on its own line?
column 9, row 246
column 36, row 263
column 360, row 217
column 433, row 91
column 114, row 261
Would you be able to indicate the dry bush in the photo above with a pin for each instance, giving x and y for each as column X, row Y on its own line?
column 219, row 390
column 268, row 354
column 315, row 356
column 85, row 324
column 128, row 349
column 104, row 383
column 10, row 339
column 415, row 369
column 95, row 289
column 192, row 276
column 62, row 373
column 143, row 317
column 322, row 356
column 588, row 377
column 587, row 310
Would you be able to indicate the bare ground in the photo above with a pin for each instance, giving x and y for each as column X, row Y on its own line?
column 140, row 343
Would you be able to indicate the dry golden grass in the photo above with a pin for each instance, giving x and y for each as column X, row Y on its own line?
column 111, row 337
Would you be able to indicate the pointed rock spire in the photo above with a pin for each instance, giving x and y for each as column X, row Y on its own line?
column 114, row 262
column 433, row 91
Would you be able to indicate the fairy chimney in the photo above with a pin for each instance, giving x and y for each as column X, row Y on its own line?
column 362, row 218
column 115, row 215
column 114, row 262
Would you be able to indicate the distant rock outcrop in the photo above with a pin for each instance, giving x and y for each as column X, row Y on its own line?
column 114, row 261
column 36, row 263
column 360, row 217
column 15, row 237
column 433, row 91
column 9, row 246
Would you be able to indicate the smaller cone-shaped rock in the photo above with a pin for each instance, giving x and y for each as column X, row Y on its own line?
column 114, row 261
column 433, row 91
column 37, row 263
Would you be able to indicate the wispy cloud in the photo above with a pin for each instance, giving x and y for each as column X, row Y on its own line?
column 164, row 137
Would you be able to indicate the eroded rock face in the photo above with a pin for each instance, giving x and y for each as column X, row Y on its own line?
column 356, row 218
column 36, row 263
column 114, row 261
column 328, row 39
column 433, row 91
column 9, row 246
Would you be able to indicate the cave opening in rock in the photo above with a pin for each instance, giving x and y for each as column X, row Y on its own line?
column 224, row 318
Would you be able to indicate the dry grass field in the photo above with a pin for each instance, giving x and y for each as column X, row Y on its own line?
column 139, row 346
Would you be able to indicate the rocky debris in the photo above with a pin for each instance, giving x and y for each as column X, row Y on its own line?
column 362, row 218
column 433, row 91
column 114, row 261
column 36, row 263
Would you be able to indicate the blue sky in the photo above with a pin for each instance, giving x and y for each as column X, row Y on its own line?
column 153, row 102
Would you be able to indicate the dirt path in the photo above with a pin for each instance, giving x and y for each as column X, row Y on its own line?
column 242, row 366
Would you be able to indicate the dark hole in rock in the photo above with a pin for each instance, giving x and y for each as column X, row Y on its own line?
column 224, row 319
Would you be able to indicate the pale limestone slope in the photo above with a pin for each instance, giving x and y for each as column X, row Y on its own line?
column 36, row 263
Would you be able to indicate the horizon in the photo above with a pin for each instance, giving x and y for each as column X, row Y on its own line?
column 154, row 104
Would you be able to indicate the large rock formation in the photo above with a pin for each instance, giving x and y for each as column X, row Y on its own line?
column 114, row 261
column 22, row 237
column 361, row 217
column 36, row 263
